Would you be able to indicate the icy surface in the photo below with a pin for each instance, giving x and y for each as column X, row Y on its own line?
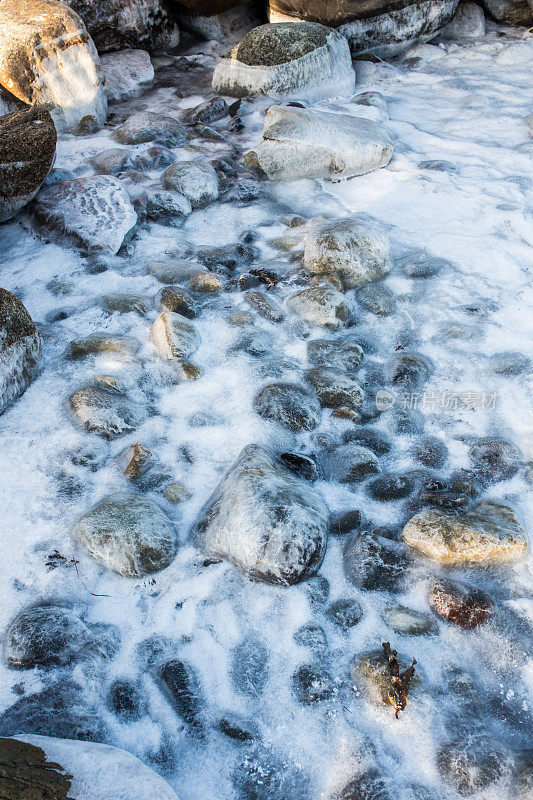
column 127, row 73
column 454, row 204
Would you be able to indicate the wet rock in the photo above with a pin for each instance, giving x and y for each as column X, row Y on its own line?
column 59, row 710
column 290, row 405
column 369, row 437
column 421, row 264
column 456, row 493
column 117, row 24
column 128, row 73
column 373, row 562
column 174, row 271
column 195, row 180
column 340, row 355
column 345, row 613
column 348, row 463
column 167, row 208
column 227, row 258
column 345, row 522
column 237, row 728
column 335, row 389
column 209, row 111
column 313, row 637
column 154, row 159
column 302, row 466
column 174, row 336
column 321, row 306
column 408, row 422
column 102, row 410
column 312, row 683
column 300, row 143
column 58, row 175
column 475, row 762
column 145, row 126
column 494, row 459
column 407, row 621
column 94, row 212
column 46, row 635
column 124, row 303
column 468, row 23
column 177, row 492
column 178, row 301
column 206, row 282
column 367, row 786
column 101, row 343
column 270, row 523
column 240, row 318
column 487, row 534
column 410, row 370
column 377, row 299
column 249, row 667
column 27, row 152
column 182, row 689
column 430, row 451
column 301, row 60
column 128, row 534
column 266, row 307
column 136, row 460
column 256, row 343
column 66, row 80
column 124, row 699
column 460, row 604
column 318, row 590
column 510, row 362
column 20, row 349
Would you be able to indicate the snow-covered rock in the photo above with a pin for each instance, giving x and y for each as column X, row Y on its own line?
column 468, row 23
column 357, row 251
column 379, row 27
column 95, row 212
column 84, row 770
column 300, row 143
column 117, row 24
column 129, row 534
column 127, row 73
column 295, row 59
column 513, row 12
column 264, row 519
column 27, row 152
column 20, row 349
column 65, row 79
column 195, row 180
column 227, row 27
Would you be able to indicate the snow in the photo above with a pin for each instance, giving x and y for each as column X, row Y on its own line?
column 467, row 107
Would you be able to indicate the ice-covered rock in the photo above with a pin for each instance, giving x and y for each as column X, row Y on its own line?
column 290, row 405
column 99, row 409
column 378, row 27
column 468, row 23
column 174, row 336
column 357, row 251
column 27, row 152
column 322, row 306
column 373, row 562
column 295, row 59
column 301, row 143
column 195, row 180
column 129, row 534
column 487, row 534
column 146, row 126
column 166, row 208
column 96, row 212
column 408, row 621
column 127, row 73
column 65, row 79
column 512, row 12
column 218, row 21
column 270, row 523
column 117, row 24
column 82, row 770
column 181, row 687
column 20, row 349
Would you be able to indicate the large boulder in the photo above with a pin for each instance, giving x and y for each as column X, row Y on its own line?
column 20, row 349
column 115, row 24
column 293, row 59
column 27, row 152
column 48, row 59
column 300, row 143
column 96, row 212
column 43, row 767
column 218, row 20
column 127, row 74
column 264, row 519
column 379, row 27
column 513, row 12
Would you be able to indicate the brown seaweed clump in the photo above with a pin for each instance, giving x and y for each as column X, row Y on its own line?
column 399, row 682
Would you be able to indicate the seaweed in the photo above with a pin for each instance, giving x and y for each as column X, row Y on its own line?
column 400, row 682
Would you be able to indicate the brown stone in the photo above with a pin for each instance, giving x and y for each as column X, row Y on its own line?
column 460, row 604
column 25, row 774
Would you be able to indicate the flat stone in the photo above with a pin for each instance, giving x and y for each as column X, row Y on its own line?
column 341, row 355
column 335, row 389
column 101, row 343
column 407, row 621
column 345, row 613
column 460, row 604
column 249, row 670
column 494, row 459
column 487, row 534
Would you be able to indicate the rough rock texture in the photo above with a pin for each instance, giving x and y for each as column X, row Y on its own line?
column 340, row 355
column 295, row 59
column 513, row 12
column 489, row 534
column 128, row 534
column 95, row 212
column 372, row 26
column 468, row 23
column 116, row 24
column 357, row 251
column 105, row 771
column 271, row 524
column 300, row 143
column 322, row 306
column 127, row 74
column 27, row 152
column 47, row 58
column 226, row 26
column 20, row 349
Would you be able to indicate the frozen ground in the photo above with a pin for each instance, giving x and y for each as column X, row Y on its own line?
column 462, row 108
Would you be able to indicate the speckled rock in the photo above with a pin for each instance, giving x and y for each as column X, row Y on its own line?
column 20, row 349
column 117, row 24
